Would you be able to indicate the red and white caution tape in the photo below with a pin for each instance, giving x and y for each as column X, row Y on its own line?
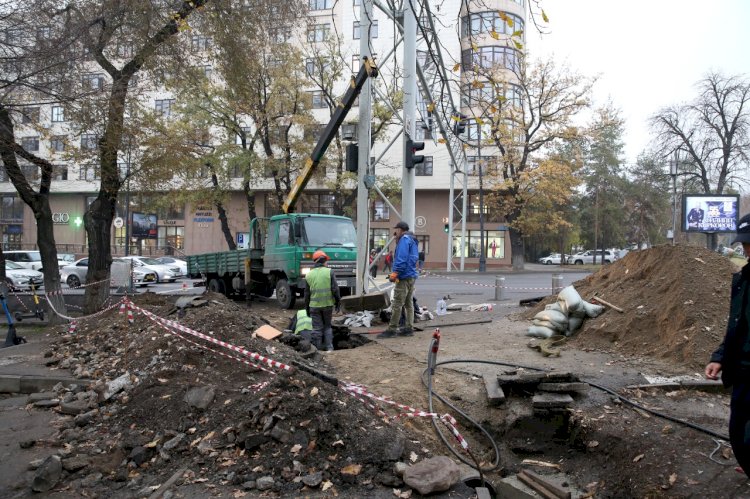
column 485, row 285
column 72, row 328
column 82, row 318
column 179, row 327
column 62, row 291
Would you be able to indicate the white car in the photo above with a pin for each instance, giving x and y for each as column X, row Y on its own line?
column 551, row 259
column 20, row 278
column 174, row 262
column 164, row 273
column 30, row 259
column 75, row 274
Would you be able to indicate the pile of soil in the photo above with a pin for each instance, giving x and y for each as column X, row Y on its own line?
column 230, row 423
column 675, row 301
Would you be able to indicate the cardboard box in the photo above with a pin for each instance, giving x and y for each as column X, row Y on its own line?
column 267, row 332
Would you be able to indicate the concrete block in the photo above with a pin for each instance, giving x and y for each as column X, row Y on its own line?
column 511, row 487
column 35, row 383
column 372, row 301
column 551, row 400
column 495, row 394
column 577, row 387
column 10, row 383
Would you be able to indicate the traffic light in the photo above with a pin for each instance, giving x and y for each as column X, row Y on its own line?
column 412, row 159
column 352, row 157
column 459, row 126
column 446, row 228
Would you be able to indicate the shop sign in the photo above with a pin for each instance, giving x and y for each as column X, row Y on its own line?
column 169, row 222
column 61, row 218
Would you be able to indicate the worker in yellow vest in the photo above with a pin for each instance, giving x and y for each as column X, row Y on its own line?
column 301, row 325
column 321, row 297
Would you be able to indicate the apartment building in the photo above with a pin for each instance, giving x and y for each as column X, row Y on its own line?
column 471, row 33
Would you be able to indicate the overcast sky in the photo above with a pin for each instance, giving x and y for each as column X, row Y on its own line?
column 647, row 53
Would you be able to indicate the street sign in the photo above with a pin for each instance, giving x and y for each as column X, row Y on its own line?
column 119, row 222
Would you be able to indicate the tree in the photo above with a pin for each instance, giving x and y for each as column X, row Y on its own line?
column 712, row 133
column 647, row 202
column 536, row 117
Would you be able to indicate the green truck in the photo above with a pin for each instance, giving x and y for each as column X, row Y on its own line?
column 281, row 247
column 279, row 257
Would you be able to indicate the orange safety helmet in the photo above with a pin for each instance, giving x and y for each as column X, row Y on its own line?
column 320, row 254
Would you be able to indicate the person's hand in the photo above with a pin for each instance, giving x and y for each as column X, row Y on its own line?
column 712, row 370
column 393, row 277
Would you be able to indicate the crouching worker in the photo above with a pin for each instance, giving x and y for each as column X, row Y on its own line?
column 302, row 326
column 321, row 296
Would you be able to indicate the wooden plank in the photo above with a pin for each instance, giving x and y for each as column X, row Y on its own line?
column 546, row 494
column 559, row 492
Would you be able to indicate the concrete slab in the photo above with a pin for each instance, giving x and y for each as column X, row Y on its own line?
column 10, row 383
column 551, row 400
column 372, row 301
column 495, row 394
column 576, row 387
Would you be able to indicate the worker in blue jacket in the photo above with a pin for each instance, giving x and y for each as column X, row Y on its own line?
column 404, row 274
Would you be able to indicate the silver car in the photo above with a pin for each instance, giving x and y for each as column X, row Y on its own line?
column 20, row 278
column 75, row 274
column 164, row 273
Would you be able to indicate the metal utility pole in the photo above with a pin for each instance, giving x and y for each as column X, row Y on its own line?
column 673, row 172
column 363, row 160
column 408, row 203
column 482, row 240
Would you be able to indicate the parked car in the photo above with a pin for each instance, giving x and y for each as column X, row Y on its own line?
column 20, row 278
column 30, row 259
column 552, row 259
column 164, row 273
column 174, row 262
column 68, row 258
column 587, row 257
column 75, row 274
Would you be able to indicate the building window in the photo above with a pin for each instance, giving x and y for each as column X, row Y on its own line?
column 423, row 244
column 357, row 31
column 57, row 144
column 60, row 172
column 93, row 81
column 320, row 4
column 357, row 61
column 12, row 208
column 171, row 238
column 494, row 244
column 200, row 42
column 489, row 166
column 490, row 58
column 318, row 33
column 379, row 238
column 424, row 169
column 281, row 35
column 88, row 142
column 381, row 212
column 473, row 209
column 30, row 144
column 422, row 131
column 163, row 107
column 319, row 203
column 58, row 114
column 489, row 22
column 30, row 115
column 88, row 172
column 473, row 130
column 318, row 100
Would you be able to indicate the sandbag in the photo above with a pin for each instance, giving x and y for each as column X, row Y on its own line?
column 571, row 300
column 574, row 323
column 555, row 306
column 553, row 316
column 592, row 310
column 559, row 328
column 540, row 332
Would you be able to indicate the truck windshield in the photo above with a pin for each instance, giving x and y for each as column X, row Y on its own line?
column 330, row 232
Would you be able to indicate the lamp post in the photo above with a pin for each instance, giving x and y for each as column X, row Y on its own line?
column 673, row 173
column 482, row 252
column 127, row 201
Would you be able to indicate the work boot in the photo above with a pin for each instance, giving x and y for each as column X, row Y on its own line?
column 406, row 332
column 388, row 333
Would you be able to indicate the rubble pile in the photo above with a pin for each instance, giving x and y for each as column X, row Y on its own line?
column 675, row 302
column 157, row 406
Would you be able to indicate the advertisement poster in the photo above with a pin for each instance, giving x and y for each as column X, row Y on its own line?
column 144, row 226
column 710, row 213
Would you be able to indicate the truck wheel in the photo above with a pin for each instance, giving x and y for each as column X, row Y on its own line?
column 284, row 294
column 216, row 285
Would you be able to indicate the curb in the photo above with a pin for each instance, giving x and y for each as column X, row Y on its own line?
column 30, row 383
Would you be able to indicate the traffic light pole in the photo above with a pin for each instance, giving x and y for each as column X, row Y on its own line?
column 408, row 202
column 363, row 132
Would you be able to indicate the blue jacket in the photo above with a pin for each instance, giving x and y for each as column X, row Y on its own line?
column 406, row 256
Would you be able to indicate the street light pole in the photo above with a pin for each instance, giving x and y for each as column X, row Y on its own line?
column 127, row 203
column 673, row 172
column 482, row 252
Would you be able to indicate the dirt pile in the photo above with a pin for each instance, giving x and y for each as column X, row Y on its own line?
column 160, row 404
column 675, row 301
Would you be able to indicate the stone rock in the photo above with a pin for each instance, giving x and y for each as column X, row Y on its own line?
column 249, row 485
column 74, row 407
column 75, row 463
column 205, row 447
column 173, row 442
column 252, row 442
column 115, row 386
column 399, row 468
column 27, row 444
column 313, row 480
column 85, row 418
column 389, row 480
column 47, row 475
column 264, row 483
column 36, row 397
column 35, row 464
column 281, row 434
column 91, row 480
column 46, row 404
column 140, row 455
column 436, row 474
column 200, row 397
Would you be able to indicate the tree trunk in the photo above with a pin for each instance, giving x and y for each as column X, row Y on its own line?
column 225, row 227
column 516, row 249
column 98, row 223
column 250, row 200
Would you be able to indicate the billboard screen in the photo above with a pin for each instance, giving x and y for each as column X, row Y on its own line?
column 144, row 226
column 710, row 212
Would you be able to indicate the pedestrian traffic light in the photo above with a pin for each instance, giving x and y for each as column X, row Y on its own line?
column 412, row 159
column 352, row 157
column 459, row 125
column 446, row 228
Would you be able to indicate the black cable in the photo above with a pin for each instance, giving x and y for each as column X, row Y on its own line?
column 430, row 371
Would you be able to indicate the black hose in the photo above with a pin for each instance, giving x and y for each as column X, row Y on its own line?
column 430, row 371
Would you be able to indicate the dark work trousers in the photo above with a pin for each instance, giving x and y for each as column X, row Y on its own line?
column 739, row 423
column 313, row 337
column 321, row 319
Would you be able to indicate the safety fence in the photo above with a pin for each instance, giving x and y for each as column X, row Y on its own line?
column 501, row 288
